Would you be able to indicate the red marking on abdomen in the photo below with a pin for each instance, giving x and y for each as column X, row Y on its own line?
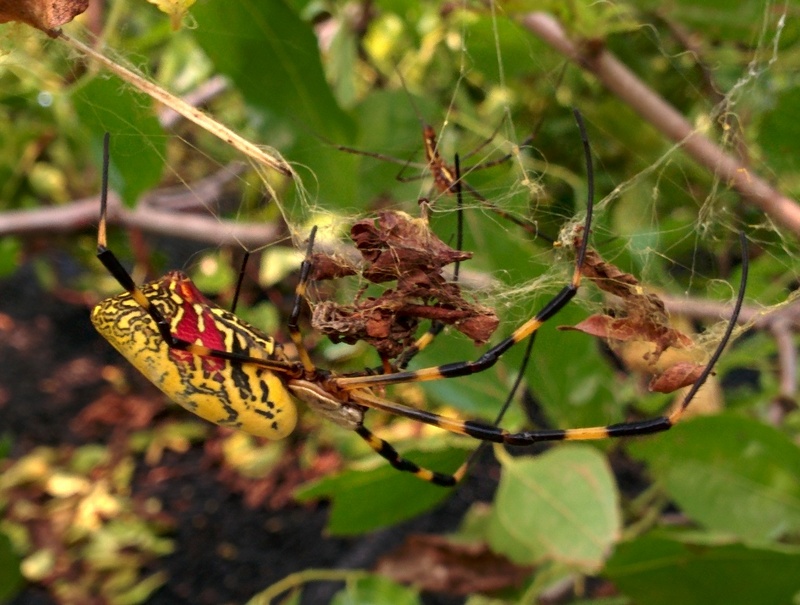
column 188, row 328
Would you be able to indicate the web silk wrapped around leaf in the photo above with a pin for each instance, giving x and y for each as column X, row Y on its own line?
column 397, row 247
column 640, row 332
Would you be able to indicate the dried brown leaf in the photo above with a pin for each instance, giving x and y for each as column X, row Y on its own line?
column 676, row 377
column 46, row 15
column 329, row 267
column 397, row 247
column 639, row 317
column 437, row 564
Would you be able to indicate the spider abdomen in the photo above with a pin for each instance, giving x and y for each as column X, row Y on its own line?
column 242, row 396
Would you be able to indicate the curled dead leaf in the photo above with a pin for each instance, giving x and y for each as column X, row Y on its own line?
column 675, row 377
column 639, row 331
column 46, row 15
column 396, row 247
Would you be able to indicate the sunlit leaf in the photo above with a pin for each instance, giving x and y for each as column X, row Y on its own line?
column 561, row 506
column 729, row 473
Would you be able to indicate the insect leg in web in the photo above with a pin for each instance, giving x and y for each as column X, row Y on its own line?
column 437, row 326
column 300, row 294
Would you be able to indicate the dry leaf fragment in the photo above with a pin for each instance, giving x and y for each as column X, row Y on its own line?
column 399, row 244
column 639, row 331
column 437, row 564
column 396, row 247
column 46, row 15
column 676, row 377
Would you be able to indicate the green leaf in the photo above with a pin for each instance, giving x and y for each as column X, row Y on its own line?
column 561, row 506
column 375, row 589
column 137, row 140
column 9, row 255
column 273, row 58
column 10, row 575
column 666, row 571
column 364, row 501
column 779, row 135
column 731, row 474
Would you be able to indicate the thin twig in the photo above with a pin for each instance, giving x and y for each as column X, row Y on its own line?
column 272, row 160
column 756, row 317
column 653, row 108
column 787, row 358
column 201, row 95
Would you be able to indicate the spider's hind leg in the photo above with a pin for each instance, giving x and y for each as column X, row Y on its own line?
column 386, row 450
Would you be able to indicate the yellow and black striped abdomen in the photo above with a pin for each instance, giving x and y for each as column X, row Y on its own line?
column 228, row 393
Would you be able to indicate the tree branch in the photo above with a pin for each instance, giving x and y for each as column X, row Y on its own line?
column 149, row 216
column 653, row 108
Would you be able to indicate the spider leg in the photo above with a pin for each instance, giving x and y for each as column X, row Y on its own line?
column 113, row 265
column 527, row 226
column 386, row 450
column 491, row 433
column 121, row 274
column 487, row 360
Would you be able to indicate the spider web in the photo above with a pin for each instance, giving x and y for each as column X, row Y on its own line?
column 658, row 214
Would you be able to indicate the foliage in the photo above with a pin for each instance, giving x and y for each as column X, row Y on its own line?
column 81, row 534
column 308, row 77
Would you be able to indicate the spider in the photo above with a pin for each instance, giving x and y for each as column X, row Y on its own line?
column 228, row 372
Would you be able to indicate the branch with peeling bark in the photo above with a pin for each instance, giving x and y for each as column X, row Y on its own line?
column 655, row 110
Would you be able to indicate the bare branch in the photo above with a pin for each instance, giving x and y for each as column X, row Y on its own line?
column 149, row 216
column 209, row 89
column 762, row 319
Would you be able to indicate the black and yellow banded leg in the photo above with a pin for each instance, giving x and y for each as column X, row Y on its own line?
column 492, row 433
column 385, row 450
column 465, row 368
column 113, row 265
column 119, row 272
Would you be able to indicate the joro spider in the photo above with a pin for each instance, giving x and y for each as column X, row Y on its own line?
column 228, row 372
